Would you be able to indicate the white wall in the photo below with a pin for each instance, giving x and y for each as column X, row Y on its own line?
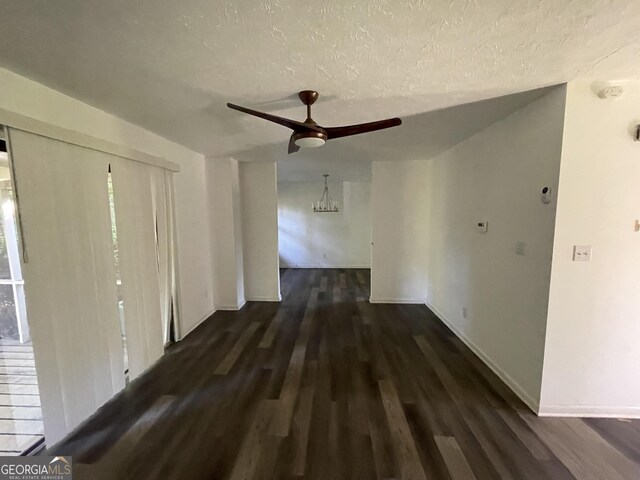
column 23, row 96
column 399, row 231
column 592, row 354
column 324, row 240
column 225, row 232
column 259, row 212
column 501, row 277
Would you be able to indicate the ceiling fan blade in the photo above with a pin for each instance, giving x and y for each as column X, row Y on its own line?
column 293, row 148
column 347, row 130
column 292, row 124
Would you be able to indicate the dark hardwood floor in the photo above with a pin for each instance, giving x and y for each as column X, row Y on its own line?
column 327, row 386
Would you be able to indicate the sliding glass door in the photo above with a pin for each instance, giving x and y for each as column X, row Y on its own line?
column 98, row 259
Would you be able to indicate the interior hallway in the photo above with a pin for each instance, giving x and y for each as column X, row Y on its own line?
column 327, row 386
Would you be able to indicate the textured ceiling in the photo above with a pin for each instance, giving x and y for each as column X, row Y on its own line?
column 171, row 66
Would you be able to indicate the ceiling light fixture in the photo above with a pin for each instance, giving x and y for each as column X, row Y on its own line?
column 326, row 203
column 309, row 139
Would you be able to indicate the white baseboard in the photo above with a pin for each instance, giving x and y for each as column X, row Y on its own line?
column 416, row 301
column 504, row 376
column 263, row 298
column 325, row 266
column 232, row 307
column 588, row 411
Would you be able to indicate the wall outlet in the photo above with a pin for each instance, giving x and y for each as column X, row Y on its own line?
column 482, row 227
column 582, row 253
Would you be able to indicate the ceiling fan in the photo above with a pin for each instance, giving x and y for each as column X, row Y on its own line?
column 309, row 134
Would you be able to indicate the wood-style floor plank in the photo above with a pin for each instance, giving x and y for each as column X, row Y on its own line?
column 282, row 418
column 327, row 386
column 270, row 334
column 302, row 422
column 246, row 464
column 457, row 464
column 229, row 361
column 403, row 442
column 125, row 446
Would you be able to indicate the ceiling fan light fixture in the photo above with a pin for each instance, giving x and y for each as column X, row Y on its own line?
column 310, row 142
column 309, row 139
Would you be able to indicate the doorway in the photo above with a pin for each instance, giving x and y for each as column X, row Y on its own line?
column 339, row 238
column 21, row 426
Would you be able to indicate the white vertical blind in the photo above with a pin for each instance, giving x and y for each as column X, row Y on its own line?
column 135, row 191
column 162, row 189
column 69, row 277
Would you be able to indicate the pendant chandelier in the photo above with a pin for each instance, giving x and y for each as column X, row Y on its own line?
column 326, row 203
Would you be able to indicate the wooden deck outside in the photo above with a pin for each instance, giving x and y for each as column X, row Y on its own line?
column 20, row 413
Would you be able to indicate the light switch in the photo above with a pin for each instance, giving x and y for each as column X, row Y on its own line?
column 482, row 227
column 582, row 253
